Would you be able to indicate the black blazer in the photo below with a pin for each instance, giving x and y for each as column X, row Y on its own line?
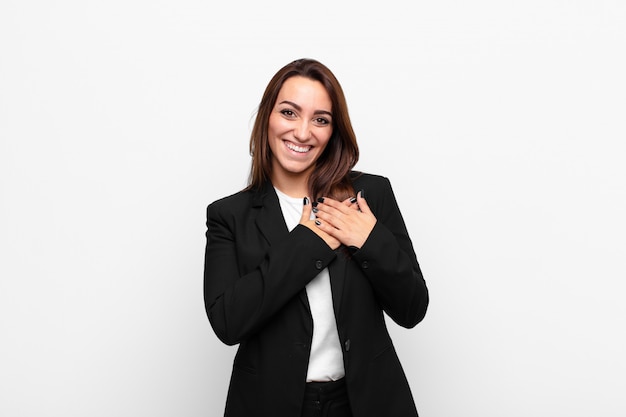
column 254, row 279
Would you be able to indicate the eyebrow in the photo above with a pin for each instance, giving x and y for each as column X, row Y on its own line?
column 297, row 107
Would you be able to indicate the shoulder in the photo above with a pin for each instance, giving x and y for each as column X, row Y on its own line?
column 369, row 182
column 378, row 192
column 232, row 206
column 233, row 200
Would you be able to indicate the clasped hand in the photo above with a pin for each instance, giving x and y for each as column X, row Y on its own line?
column 347, row 222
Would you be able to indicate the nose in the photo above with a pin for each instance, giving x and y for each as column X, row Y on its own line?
column 302, row 131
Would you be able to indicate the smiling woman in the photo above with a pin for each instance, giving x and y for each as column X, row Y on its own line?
column 300, row 267
column 300, row 127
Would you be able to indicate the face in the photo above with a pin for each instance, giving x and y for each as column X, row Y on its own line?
column 300, row 127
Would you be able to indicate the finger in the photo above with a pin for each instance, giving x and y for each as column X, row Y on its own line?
column 306, row 210
column 365, row 208
column 351, row 202
column 332, row 207
column 331, row 202
column 327, row 227
column 323, row 217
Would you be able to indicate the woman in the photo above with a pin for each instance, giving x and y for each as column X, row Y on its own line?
column 299, row 267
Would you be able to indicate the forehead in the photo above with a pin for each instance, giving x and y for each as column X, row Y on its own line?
column 305, row 92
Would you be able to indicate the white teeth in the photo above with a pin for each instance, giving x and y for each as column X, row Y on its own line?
column 301, row 149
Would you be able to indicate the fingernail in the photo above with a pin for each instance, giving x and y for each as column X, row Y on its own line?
column 353, row 200
column 317, row 222
column 315, row 204
column 315, row 210
column 320, row 200
column 305, row 201
column 362, row 192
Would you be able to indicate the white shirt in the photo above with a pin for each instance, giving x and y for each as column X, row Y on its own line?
column 326, row 358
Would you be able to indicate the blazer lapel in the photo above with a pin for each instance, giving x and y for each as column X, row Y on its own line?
column 271, row 223
column 270, row 220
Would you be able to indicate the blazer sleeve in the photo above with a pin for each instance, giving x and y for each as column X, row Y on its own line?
column 388, row 260
column 239, row 305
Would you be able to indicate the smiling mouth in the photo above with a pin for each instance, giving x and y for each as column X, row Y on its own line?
column 296, row 148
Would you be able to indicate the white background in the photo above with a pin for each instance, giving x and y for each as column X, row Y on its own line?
column 501, row 125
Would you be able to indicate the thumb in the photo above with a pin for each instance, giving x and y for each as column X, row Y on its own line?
column 360, row 199
column 306, row 210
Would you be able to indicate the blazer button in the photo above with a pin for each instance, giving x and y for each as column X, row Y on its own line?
column 365, row 265
column 347, row 345
column 319, row 264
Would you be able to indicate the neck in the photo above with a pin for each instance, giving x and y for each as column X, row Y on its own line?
column 293, row 186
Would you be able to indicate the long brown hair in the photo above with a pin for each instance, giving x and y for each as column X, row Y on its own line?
column 331, row 174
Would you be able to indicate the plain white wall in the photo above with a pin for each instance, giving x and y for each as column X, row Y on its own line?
column 499, row 123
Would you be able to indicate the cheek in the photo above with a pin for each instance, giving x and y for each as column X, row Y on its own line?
column 273, row 134
column 271, row 128
column 276, row 124
column 324, row 141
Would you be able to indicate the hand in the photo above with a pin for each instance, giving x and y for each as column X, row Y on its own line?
column 305, row 220
column 349, row 223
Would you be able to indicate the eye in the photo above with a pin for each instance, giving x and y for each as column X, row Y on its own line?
column 287, row 113
column 321, row 121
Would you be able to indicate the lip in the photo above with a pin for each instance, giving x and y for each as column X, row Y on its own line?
column 297, row 149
